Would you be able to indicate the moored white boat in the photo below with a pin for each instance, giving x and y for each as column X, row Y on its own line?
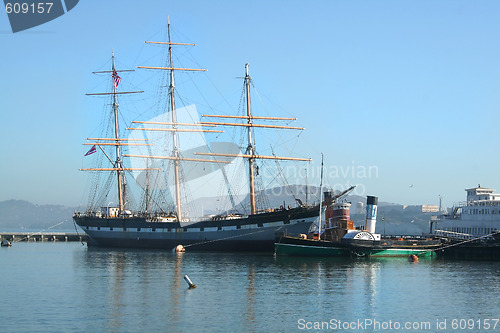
column 472, row 229
column 478, row 217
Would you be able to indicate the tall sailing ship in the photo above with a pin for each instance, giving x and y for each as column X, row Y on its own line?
column 167, row 227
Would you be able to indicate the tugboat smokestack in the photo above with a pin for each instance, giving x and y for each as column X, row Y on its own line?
column 371, row 213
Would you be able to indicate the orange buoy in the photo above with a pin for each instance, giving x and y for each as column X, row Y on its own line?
column 413, row 258
column 179, row 248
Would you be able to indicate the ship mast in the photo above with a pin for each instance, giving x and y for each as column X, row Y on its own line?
column 118, row 163
column 115, row 140
column 250, row 148
column 320, row 199
column 250, row 151
column 174, row 125
column 174, row 133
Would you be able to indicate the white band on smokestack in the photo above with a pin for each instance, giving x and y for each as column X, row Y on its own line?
column 371, row 213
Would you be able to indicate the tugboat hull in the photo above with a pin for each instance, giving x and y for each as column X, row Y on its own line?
column 393, row 247
column 293, row 246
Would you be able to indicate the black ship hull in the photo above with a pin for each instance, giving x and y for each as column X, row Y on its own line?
column 251, row 233
column 489, row 250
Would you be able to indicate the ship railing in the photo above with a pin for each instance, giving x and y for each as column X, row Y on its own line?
column 99, row 214
column 484, row 203
column 456, row 211
column 404, row 237
column 225, row 217
column 89, row 213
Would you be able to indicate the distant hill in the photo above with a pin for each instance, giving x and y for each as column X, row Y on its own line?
column 276, row 197
column 22, row 215
column 272, row 198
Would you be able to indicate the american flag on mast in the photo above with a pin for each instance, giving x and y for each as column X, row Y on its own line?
column 116, row 78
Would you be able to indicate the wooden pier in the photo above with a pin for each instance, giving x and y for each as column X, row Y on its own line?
column 43, row 236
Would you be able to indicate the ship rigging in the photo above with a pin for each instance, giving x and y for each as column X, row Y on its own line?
column 119, row 226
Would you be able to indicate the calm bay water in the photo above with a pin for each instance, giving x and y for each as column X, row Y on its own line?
column 67, row 287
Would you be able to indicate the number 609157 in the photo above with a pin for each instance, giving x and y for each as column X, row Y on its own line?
column 31, row 8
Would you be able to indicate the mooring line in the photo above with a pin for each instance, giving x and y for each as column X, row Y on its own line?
column 460, row 243
column 39, row 232
column 469, row 240
column 221, row 239
column 76, row 229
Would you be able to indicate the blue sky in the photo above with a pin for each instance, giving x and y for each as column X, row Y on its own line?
column 407, row 89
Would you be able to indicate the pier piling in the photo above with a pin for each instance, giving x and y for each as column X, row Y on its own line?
column 43, row 236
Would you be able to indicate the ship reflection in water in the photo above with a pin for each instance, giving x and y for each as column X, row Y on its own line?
column 67, row 286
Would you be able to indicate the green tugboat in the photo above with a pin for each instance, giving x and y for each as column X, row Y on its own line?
column 341, row 239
